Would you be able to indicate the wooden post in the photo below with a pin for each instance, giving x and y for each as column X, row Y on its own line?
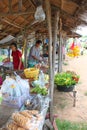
column 20, row 5
column 55, row 30
column 60, row 49
column 48, row 13
column 10, row 6
column 25, row 52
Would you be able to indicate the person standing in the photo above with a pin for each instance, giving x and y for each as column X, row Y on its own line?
column 34, row 55
column 17, row 57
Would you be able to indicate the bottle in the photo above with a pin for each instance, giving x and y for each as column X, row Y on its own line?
column 42, row 79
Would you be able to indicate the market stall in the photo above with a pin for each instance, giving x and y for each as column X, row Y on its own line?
column 26, row 97
column 22, row 18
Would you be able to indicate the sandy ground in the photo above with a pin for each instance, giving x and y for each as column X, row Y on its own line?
column 63, row 102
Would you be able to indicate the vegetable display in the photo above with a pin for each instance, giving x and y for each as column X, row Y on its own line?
column 40, row 90
column 66, row 79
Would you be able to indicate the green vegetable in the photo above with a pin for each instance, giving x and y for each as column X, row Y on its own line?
column 39, row 90
column 65, row 79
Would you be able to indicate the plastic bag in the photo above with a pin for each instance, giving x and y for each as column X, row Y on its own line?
column 23, row 85
column 10, row 88
column 39, row 14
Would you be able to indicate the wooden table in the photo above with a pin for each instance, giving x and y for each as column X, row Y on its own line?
column 5, row 113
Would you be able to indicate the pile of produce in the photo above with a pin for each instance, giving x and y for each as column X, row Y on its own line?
column 39, row 90
column 75, row 52
column 75, row 77
column 66, row 79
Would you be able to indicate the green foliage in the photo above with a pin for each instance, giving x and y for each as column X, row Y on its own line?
column 66, row 125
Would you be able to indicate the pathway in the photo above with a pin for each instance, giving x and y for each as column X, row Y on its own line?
column 63, row 102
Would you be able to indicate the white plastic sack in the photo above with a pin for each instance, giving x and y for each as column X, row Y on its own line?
column 39, row 14
column 10, row 88
column 23, row 85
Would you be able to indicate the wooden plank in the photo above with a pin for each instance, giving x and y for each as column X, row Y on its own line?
column 12, row 24
column 17, row 13
column 48, row 13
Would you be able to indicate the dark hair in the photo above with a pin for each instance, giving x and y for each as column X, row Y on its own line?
column 38, row 42
column 13, row 44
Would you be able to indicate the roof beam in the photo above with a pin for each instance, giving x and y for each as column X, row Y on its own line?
column 16, row 13
column 75, row 1
column 32, row 3
column 12, row 24
column 75, row 18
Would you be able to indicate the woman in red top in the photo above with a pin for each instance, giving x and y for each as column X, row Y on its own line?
column 17, row 57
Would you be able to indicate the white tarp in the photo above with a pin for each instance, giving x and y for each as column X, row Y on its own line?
column 7, row 39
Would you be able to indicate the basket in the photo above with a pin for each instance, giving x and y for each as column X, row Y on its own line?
column 31, row 73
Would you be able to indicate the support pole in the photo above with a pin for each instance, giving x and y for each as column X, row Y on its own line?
column 10, row 6
column 60, row 49
column 20, row 5
column 48, row 13
column 55, row 30
column 25, row 52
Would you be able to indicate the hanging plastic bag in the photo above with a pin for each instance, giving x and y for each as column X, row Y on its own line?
column 39, row 14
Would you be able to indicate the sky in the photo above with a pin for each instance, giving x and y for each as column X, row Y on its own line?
column 82, row 30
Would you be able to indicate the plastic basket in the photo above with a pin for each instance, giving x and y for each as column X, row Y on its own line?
column 31, row 73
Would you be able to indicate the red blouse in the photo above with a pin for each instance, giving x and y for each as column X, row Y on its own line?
column 16, row 59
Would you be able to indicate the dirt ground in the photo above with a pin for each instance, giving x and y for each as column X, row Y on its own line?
column 63, row 102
